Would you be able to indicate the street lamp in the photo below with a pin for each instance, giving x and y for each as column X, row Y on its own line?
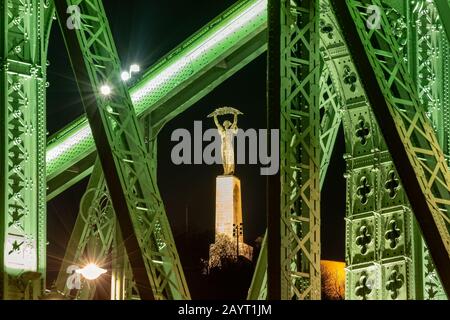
column 135, row 68
column 237, row 232
column 126, row 75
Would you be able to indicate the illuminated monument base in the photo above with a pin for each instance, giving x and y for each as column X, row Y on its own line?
column 229, row 229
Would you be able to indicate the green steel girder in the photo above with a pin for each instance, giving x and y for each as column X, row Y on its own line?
column 273, row 234
column 332, row 100
column 258, row 286
column 414, row 148
column 179, row 80
column 330, row 124
column 22, row 149
column 96, row 232
column 118, row 136
column 428, row 60
column 360, row 155
column 330, row 104
column 123, row 286
column 294, row 263
column 377, row 260
column 92, row 235
column 443, row 7
column 82, row 165
column 49, row 16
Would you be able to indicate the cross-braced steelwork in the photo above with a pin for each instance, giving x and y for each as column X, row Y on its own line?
column 419, row 159
column 300, row 150
column 428, row 61
column 379, row 226
column 386, row 80
column 119, row 140
column 330, row 122
column 92, row 235
column 96, row 236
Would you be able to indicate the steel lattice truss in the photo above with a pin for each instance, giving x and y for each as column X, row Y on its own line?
column 393, row 82
column 300, row 150
column 95, row 229
column 119, row 137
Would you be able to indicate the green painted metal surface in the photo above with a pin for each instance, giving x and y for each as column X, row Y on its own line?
column 22, row 149
column 418, row 158
column 118, row 136
column 300, row 151
column 385, row 254
column 379, row 264
column 431, row 75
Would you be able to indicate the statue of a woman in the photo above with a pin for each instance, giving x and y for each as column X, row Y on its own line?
column 227, row 132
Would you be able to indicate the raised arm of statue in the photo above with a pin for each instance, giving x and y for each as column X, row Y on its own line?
column 218, row 125
column 234, row 126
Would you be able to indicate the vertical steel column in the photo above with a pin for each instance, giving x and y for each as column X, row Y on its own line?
column 22, row 149
column 300, row 149
column 274, row 286
column 299, row 228
column 428, row 60
column 443, row 8
column 331, row 121
column 122, row 283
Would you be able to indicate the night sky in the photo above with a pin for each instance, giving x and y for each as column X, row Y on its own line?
column 144, row 31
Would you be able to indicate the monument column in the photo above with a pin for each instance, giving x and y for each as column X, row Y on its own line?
column 229, row 235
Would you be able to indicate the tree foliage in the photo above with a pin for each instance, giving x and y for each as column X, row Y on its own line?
column 222, row 252
column 333, row 280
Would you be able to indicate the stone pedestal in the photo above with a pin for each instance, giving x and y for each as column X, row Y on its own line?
column 229, row 220
column 228, row 205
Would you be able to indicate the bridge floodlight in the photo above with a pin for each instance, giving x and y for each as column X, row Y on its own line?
column 125, row 76
column 91, row 271
column 105, row 90
column 135, row 68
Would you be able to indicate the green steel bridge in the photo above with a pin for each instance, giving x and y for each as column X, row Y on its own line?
column 380, row 69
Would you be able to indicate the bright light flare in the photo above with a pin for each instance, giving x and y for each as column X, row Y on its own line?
column 125, row 76
column 91, row 271
column 105, row 90
column 134, row 68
